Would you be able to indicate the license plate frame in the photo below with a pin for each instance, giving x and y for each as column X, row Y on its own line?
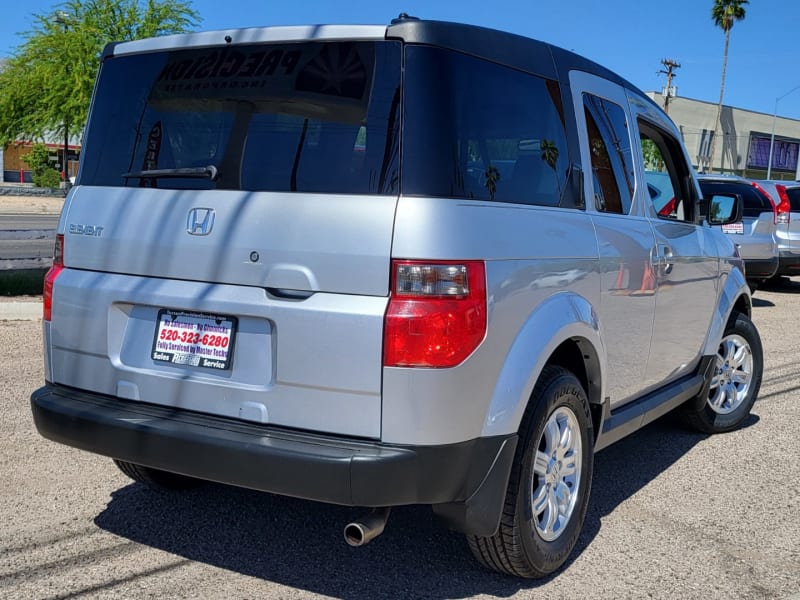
column 733, row 228
column 195, row 339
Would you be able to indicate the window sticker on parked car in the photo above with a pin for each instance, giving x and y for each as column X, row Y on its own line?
column 733, row 228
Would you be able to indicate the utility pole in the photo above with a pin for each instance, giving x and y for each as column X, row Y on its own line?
column 62, row 18
column 670, row 65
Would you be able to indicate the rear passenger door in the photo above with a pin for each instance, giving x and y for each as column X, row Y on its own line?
column 625, row 237
column 684, row 260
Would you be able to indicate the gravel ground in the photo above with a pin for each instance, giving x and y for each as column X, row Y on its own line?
column 673, row 514
column 22, row 205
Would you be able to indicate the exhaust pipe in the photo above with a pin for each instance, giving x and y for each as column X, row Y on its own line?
column 367, row 528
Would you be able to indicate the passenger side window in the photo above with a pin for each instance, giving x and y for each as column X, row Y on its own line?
column 610, row 150
column 666, row 174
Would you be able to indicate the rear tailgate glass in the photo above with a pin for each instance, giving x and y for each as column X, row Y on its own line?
column 306, row 117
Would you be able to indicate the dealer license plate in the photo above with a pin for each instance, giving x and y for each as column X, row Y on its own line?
column 733, row 228
column 195, row 339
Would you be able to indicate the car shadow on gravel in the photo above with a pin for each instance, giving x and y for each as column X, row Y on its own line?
column 761, row 303
column 783, row 285
column 300, row 544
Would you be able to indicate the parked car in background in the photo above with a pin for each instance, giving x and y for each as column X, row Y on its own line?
column 787, row 232
column 659, row 187
column 756, row 234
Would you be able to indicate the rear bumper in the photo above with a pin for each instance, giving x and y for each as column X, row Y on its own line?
column 789, row 263
column 467, row 481
column 760, row 268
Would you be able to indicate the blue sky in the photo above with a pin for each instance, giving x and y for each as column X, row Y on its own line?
column 628, row 36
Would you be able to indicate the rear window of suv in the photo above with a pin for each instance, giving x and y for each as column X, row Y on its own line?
column 754, row 202
column 326, row 117
column 308, row 117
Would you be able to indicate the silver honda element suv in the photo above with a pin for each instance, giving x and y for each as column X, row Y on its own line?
column 387, row 265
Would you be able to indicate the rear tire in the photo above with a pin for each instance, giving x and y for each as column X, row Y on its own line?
column 735, row 381
column 155, row 478
column 548, row 490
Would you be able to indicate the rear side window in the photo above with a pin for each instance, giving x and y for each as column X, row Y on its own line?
column 478, row 130
column 309, row 117
column 610, row 150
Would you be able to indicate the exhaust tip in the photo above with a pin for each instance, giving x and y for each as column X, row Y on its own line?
column 355, row 534
column 367, row 528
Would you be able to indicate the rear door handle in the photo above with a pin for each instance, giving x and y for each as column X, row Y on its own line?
column 662, row 258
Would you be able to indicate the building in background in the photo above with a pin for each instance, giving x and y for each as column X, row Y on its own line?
column 14, row 169
column 743, row 146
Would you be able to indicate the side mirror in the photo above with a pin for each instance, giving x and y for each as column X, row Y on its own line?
column 722, row 209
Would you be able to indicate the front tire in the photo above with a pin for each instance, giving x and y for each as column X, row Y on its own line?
column 548, row 490
column 735, row 381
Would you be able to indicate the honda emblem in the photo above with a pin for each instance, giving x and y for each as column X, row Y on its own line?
column 200, row 221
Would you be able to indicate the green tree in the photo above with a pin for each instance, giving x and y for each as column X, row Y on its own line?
column 44, row 175
column 652, row 155
column 724, row 13
column 38, row 159
column 47, row 83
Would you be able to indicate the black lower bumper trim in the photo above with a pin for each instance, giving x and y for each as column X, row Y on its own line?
column 789, row 264
column 316, row 467
column 760, row 268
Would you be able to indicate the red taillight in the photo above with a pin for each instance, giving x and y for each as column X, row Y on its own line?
column 780, row 211
column 436, row 315
column 50, row 277
column 784, row 208
column 669, row 209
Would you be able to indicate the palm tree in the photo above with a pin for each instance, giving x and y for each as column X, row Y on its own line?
column 724, row 13
column 549, row 152
column 492, row 176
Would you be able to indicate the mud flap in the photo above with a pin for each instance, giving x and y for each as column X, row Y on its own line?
column 480, row 513
column 706, row 368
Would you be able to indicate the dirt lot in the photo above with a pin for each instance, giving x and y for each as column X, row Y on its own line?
column 23, row 205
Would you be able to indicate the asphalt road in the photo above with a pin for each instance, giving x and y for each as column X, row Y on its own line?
column 26, row 240
column 673, row 514
column 30, row 248
column 15, row 222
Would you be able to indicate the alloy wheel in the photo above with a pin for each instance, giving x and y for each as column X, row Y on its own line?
column 556, row 474
column 733, row 375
